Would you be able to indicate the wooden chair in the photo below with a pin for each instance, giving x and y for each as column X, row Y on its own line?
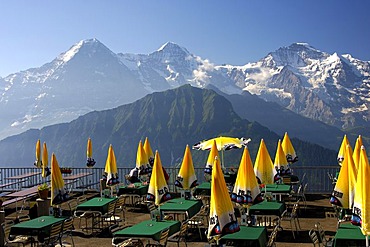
column 314, row 237
column 16, row 240
column 152, row 208
column 268, row 221
column 200, row 220
column 292, row 217
column 54, row 235
column 67, row 231
column 162, row 241
column 120, row 210
column 287, row 180
column 23, row 217
column 272, row 237
column 322, row 236
column 109, row 216
column 131, row 242
column 180, row 235
column 81, row 199
column 72, row 205
column 118, row 241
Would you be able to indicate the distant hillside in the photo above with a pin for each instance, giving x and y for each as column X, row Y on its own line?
column 170, row 120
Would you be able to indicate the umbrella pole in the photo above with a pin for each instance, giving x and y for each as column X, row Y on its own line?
column 223, row 164
column 367, row 241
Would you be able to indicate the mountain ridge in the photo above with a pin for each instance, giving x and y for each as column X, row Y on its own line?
column 170, row 121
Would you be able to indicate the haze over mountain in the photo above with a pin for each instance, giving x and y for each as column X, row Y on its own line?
column 170, row 119
column 330, row 88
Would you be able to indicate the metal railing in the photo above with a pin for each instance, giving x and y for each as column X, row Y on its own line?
column 316, row 177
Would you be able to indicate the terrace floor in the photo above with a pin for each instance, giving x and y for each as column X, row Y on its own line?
column 317, row 206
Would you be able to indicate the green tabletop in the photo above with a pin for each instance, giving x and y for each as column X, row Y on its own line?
column 149, row 229
column 203, row 189
column 247, row 236
column 96, row 204
column 35, row 226
column 349, row 235
column 277, row 188
column 180, row 205
column 139, row 189
column 267, row 208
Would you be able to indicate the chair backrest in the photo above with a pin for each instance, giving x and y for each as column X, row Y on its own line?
column 151, row 207
column 6, row 226
column 55, row 233
column 287, row 180
column 321, row 232
column 23, row 217
column 314, row 237
column 184, row 229
column 55, row 230
column 81, row 199
column 120, row 203
column 272, row 238
column 164, row 237
column 295, row 208
column 72, row 204
column 111, row 207
column 68, row 225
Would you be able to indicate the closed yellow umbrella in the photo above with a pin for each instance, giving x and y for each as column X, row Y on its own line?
column 344, row 190
column 222, row 219
column 263, row 167
column 186, row 178
column 361, row 207
column 57, row 182
column 288, row 148
column 342, row 149
column 45, row 161
column 90, row 162
column 142, row 161
column 111, row 168
column 280, row 162
column 158, row 191
column 149, row 152
column 357, row 151
column 38, row 162
column 211, row 157
column 246, row 190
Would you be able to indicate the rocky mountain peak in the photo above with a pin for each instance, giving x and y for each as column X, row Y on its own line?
column 295, row 55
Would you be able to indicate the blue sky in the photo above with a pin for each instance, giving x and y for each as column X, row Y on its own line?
column 234, row 32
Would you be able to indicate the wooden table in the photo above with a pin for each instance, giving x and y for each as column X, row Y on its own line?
column 255, row 236
column 21, row 195
column 149, row 229
column 181, row 206
column 71, row 179
column 349, row 235
column 29, row 178
column 23, row 176
column 39, row 227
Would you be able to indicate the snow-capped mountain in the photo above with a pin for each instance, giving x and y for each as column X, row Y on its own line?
column 172, row 66
column 328, row 87
column 87, row 77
